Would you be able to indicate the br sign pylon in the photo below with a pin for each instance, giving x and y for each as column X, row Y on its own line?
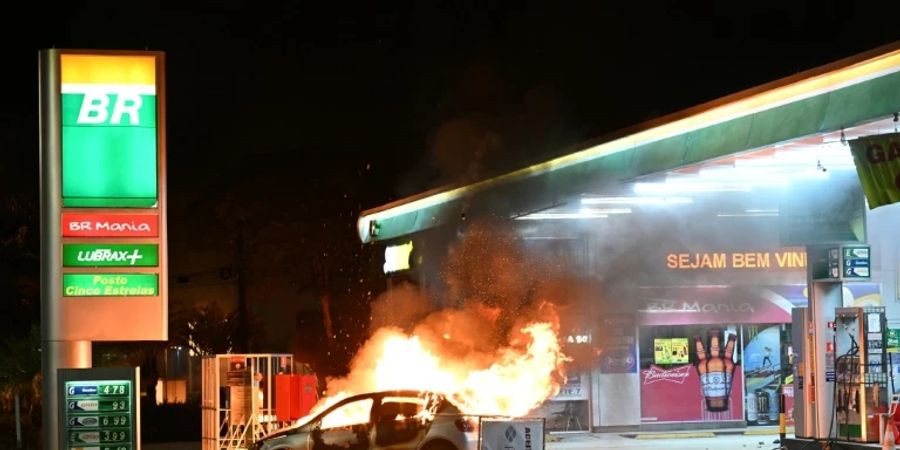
column 104, row 258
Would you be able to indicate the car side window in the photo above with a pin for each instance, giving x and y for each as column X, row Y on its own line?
column 398, row 420
column 353, row 413
column 344, row 428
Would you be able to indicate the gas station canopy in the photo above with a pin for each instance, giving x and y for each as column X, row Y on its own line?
column 830, row 99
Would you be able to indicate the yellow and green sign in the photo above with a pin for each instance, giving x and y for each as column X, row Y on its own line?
column 877, row 161
column 110, row 284
column 670, row 351
column 109, row 130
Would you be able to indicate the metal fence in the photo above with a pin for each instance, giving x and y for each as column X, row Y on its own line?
column 238, row 401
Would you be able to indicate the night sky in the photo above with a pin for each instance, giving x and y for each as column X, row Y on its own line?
column 328, row 108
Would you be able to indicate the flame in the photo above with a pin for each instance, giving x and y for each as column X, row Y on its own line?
column 406, row 365
column 510, row 381
column 518, row 382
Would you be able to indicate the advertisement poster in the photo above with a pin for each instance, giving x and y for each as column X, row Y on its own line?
column 670, row 350
column 708, row 390
column 617, row 344
column 576, row 388
column 762, row 369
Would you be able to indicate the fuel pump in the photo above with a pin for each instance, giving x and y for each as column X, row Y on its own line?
column 861, row 376
column 828, row 267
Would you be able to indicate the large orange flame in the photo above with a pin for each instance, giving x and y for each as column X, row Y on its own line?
column 511, row 381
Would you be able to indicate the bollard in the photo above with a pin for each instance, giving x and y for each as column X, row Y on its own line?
column 887, row 434
column 782, row 419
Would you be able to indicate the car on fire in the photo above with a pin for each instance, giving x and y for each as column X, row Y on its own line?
column 386, row 420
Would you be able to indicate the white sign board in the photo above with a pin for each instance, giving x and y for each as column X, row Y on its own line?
column 574, row 389
column 512, row 434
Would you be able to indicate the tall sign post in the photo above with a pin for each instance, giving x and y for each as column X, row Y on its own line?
column 103, row 211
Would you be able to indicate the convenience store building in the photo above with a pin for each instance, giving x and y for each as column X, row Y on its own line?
column 695, row 224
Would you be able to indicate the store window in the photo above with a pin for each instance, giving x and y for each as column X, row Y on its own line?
column 691, row 373
column 569, row 409
column 765, row 361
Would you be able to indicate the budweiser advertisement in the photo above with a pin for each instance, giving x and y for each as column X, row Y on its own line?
column 708, row 389
column 110, row 224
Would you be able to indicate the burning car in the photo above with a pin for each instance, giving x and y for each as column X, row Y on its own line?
column 396, row 420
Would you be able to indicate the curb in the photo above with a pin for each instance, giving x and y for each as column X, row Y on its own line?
column 767, row 431
column 675, row 435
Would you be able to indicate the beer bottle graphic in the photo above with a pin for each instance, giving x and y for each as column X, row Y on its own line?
column 715, row 369
column 701, row 356
column 729, row 362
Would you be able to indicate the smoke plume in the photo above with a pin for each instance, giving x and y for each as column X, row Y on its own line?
column 494, row 348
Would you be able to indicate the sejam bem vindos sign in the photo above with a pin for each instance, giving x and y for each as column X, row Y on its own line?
column 112, row 201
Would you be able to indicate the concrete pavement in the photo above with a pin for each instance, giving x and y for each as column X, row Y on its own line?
column 171, row 446
column 701, row 440
column 685, row 441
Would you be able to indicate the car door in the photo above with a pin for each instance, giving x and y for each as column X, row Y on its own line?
column 398, row 423
column 347, row 427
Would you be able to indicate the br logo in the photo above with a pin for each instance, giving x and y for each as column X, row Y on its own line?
column 98, row 108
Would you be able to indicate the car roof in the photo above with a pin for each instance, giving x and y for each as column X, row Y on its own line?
column 378, row 394
column 392, row 393
column 352, row 398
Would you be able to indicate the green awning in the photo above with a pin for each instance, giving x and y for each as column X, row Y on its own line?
column 840, row 95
